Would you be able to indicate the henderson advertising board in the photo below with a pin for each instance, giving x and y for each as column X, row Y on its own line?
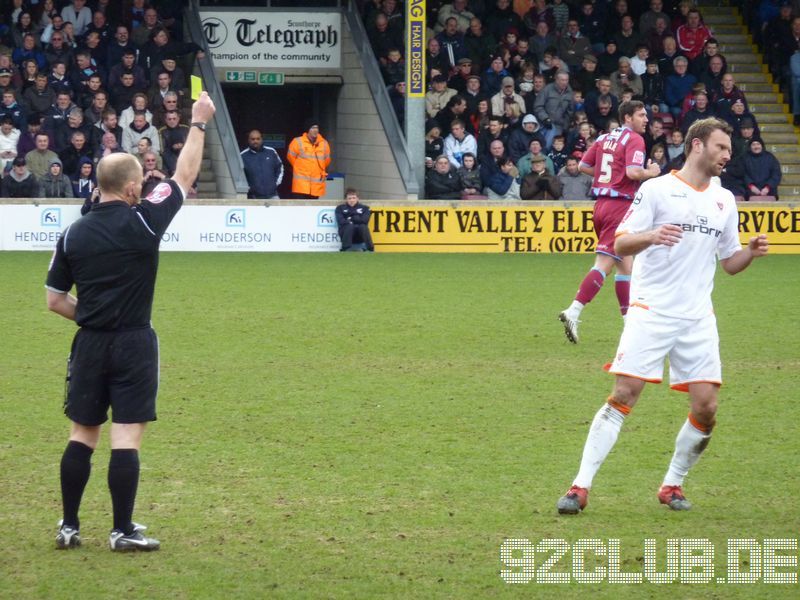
column 446, row 227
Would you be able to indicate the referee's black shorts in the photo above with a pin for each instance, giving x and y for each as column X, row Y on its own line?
column 116, row 369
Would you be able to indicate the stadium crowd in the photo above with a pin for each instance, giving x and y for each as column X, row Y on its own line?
column 516, row 97
column 81, row 80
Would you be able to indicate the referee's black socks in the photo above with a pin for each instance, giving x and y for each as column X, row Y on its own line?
column 123, row 479
column 76, row 465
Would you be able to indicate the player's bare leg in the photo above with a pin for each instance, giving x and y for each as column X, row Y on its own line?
column 76, row 466
column 602, row 436
column 590, row 286
column 692, row 440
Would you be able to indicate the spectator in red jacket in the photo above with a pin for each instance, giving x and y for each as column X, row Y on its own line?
column 692, row 36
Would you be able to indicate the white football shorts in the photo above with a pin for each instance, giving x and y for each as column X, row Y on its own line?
column 692, row 346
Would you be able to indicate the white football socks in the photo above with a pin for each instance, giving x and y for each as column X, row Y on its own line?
column 574, row 310
column 602, row 437
column 689, row 445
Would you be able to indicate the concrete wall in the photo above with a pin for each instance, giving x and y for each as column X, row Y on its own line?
column 362, row 149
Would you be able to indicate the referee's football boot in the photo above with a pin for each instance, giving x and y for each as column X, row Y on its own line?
column 672, row 496
column 570, row 322
column 119, row 542
column 67, row 537
column 574, row 501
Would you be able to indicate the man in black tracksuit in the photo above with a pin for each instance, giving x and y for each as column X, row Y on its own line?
column 352, row 218
column 110, row 255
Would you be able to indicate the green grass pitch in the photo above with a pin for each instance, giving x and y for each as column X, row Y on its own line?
column 363, row 426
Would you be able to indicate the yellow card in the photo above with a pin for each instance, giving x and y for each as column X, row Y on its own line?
column 197, row 87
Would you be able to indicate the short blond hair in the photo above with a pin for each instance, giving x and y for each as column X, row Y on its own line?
column 116, row 170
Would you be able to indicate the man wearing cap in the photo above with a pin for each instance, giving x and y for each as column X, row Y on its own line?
column 309, row 155
column 585, row 79
column 539, row 184
column 20, row 182
column 520, row 137
column 473, row 93
column 5, row 78
column 438, row 96
column 534, row 152
column 744, row 130
column 458, row 81
column 507, row 95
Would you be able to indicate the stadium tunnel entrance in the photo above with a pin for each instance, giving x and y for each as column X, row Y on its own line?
column 279, row 113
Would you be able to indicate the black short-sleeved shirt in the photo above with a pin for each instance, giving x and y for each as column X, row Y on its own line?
column 111, row 256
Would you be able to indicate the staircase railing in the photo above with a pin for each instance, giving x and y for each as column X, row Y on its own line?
column 224, row 125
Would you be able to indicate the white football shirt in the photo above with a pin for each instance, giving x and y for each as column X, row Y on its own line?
column 677, row 280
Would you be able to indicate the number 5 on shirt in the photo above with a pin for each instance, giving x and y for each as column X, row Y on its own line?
column 605, row 168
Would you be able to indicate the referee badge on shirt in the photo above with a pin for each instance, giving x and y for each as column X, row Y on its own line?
column 160, row 193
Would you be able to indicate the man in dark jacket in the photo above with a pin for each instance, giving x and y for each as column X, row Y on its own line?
column 20, row 183
column 352, row 218
column 442, row 182
column 262, row 167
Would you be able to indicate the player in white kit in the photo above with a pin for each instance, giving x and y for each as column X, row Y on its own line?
column 677, row 226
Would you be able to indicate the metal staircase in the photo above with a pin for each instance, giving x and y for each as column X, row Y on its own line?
column 766, row 101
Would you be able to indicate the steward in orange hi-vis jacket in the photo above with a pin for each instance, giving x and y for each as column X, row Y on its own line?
column 309, row 155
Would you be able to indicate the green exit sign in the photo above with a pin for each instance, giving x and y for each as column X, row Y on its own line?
column 248, row 76
column 270, row 79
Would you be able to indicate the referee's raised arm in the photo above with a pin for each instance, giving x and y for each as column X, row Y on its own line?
column 188, row 166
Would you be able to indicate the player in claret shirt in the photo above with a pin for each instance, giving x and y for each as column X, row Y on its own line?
column 617, row 162
column 677, row 227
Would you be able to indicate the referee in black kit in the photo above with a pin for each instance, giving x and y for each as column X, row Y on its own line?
column 111, row 256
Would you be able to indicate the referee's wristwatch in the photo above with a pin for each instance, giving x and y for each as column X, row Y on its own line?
column 201, row 126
